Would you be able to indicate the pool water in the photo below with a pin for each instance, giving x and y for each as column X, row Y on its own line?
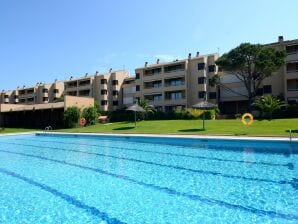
column 87, row 179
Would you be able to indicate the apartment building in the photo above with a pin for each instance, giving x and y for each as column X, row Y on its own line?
column 178, row 84
column 283, row 83
column 40, row 93
column 104, row 88
column 167, row 86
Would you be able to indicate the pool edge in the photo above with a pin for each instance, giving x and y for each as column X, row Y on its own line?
column 221, row 137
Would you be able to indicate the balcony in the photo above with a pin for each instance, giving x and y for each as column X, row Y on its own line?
column 292, row 50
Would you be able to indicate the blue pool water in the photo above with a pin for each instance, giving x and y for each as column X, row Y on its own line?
column 71, row 179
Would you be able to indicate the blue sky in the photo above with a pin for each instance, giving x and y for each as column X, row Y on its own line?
column 44, row 40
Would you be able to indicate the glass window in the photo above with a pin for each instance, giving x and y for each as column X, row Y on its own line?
column 267, row 89
column 202, row 94
column 157, row 97
column 104, row 102
column 104, row 81
column 104, row 92
column 211, row 68
column 201, row 80
column 212, row 95
column 201, row 66
column 292, row 84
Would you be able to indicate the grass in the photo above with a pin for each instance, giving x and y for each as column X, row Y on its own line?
column 278, row 127
column 15, row 130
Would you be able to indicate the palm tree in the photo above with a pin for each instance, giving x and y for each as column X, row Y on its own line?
column 268, row 104
column 148, row 108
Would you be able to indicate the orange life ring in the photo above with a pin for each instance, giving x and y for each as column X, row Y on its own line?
column 249, row 117
column 82, row 121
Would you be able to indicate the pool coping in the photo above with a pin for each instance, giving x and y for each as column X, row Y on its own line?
column 19, row 133
column 221, row 137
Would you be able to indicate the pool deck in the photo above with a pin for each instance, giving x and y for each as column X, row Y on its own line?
column 222, row 137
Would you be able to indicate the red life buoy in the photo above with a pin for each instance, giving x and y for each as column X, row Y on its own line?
column 82, row 121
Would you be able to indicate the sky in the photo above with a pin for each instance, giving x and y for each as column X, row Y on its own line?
column 41, row 41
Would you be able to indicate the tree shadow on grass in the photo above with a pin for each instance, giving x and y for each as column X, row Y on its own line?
column 293, row 131
column 123, row 128
column 192, row 130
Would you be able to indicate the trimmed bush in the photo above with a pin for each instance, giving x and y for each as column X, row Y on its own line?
column 71, row 117
column 90, row 114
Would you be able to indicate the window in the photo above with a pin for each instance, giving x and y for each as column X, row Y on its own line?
column 267, row 89
column 104, row 81
column 154, row 71
column 174, row 95
column 115, row 82
column 115, row 92
column 292, row 84
column 292, row 67
column 292, row 49
column 174, row 82
column 30, row 91
column 201, row 80
column 158, row 108
column 212, row 95
column 137, row 75
column 56, row 90
column 137, row 88
column 173, row 68
column 23, row 100
column 104, row 102
column 16, row 96
column 260, row 91
column 157, row 97
column 104, row 92
column 30, row 99
column 211, row 68
column 45, row 90
column 6, row 96
column 45, row 99
column 202, row 94
column 115, row 103
column 157, row 84
column 201, row 66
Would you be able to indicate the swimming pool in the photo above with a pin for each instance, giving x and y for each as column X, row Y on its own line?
column 104, row 179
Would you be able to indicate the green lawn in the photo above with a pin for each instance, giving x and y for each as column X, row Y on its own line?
column 278, row 127
column 15, row 130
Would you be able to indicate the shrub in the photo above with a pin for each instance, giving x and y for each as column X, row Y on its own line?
column 90, row 114
column 238, row 116
column 71, row 117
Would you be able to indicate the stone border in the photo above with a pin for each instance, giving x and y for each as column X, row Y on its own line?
column 221, row 137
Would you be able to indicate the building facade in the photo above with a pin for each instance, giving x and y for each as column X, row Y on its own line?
column 283, row 83
column 167, row 86
column 178, row 84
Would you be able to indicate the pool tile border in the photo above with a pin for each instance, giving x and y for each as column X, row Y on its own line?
column 211, row 137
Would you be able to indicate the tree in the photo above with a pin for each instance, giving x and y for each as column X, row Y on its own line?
column 148, row 109
column 71, row 117
column 268, row 104
column 90, row 114
column 251, row 64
